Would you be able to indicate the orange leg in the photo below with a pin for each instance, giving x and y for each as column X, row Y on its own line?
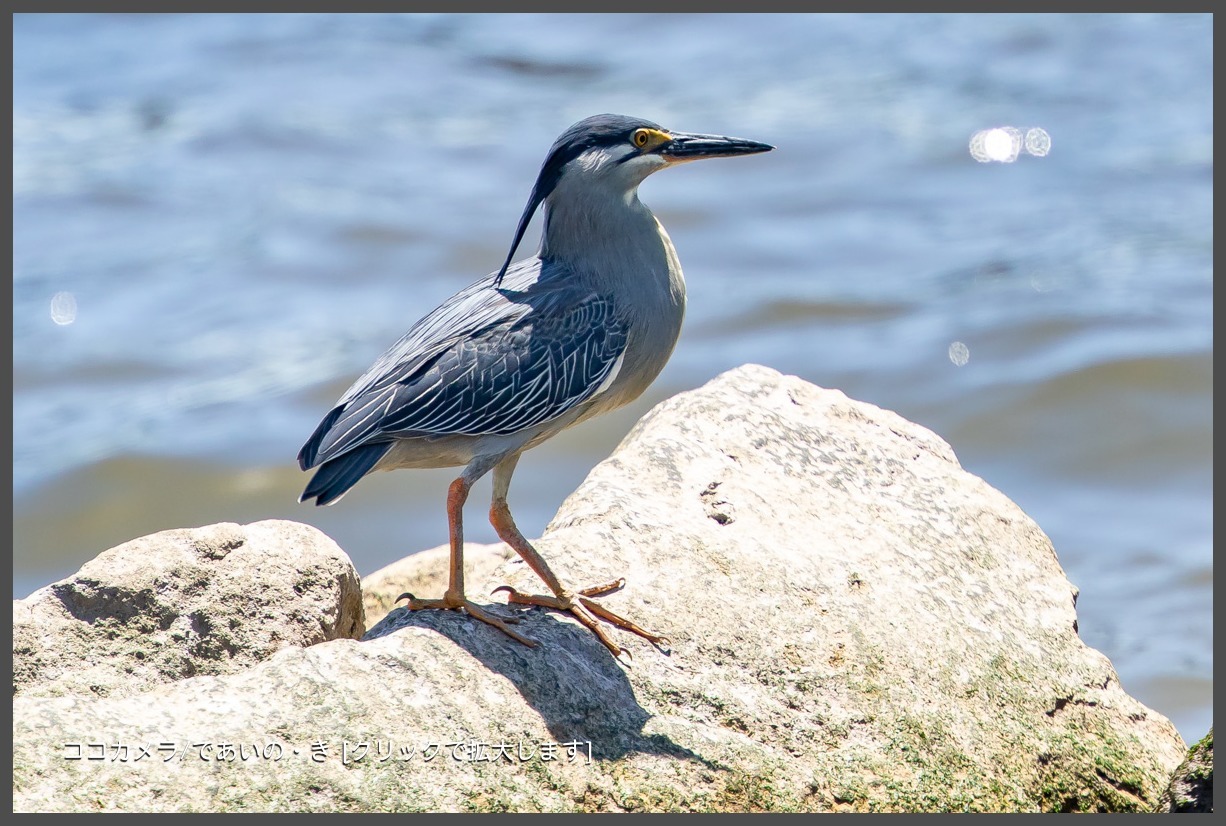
column 577, row 604
column 453, row 597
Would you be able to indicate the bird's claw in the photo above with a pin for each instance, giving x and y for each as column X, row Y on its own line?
column 603, row 590
column 583, row 608
column 453, row 603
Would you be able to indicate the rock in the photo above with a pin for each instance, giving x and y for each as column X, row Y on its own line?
column 1191, row 788
column 180, row 603
column 856, row 622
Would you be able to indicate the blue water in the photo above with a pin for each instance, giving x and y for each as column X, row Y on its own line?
column 220, row 221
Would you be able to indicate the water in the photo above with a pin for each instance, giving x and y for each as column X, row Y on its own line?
column 219, row 221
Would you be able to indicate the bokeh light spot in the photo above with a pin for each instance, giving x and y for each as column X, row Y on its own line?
column 959, row 353
column 1003, row 144
column 63, row 308
column 1038, row 142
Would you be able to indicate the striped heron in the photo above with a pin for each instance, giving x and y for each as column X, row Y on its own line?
column 578, row 329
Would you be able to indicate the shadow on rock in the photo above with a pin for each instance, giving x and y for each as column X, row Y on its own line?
column 581, row 692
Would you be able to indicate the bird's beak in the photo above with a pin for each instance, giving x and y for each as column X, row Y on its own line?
column 687, row 146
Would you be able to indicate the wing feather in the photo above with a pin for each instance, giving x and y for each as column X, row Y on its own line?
column 489, row 361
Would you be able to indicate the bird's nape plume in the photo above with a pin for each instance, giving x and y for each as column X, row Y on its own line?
column 524, row 220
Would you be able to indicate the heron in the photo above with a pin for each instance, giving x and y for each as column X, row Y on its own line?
column 538, row 346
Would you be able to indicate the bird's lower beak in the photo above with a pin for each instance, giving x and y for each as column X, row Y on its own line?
column 687, row 146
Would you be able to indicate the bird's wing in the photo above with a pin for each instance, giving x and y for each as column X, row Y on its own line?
column 488, row 362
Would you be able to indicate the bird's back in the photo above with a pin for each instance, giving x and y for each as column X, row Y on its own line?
column 488, row 361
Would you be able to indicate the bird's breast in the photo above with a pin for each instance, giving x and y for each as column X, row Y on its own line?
column 652, row 305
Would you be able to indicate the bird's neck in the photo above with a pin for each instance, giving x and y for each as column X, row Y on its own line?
column 615, row 240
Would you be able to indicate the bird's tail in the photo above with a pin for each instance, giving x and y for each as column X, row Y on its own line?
column 310, row 451
column 336, row 476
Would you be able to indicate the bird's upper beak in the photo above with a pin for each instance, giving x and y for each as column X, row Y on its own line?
column 688, row 146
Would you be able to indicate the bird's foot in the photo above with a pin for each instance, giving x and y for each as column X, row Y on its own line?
column 458, row 602
column 581, row 606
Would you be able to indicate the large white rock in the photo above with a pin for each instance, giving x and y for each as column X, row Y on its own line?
column 856, row 622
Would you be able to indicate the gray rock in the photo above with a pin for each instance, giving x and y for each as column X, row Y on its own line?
column 181, row 603
column 1191, row 788
column 857, row 624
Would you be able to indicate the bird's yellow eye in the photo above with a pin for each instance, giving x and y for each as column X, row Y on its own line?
column 641, row 137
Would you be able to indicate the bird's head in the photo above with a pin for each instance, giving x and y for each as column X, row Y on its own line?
column 617, row 151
